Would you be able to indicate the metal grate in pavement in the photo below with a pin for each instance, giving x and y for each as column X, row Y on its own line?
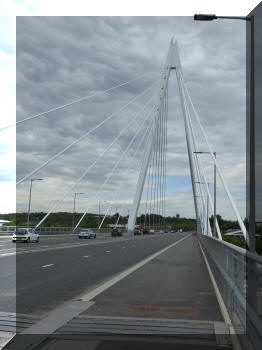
column 99, row 325
column 16, row 323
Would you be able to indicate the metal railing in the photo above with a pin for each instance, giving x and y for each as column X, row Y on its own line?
column 238, row 274
column 8, row 230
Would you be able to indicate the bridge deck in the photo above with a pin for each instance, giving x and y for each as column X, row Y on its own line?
column 168, row 302
column 174, row 285
column 171, row 296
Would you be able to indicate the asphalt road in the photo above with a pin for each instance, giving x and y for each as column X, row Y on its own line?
column 60, row 268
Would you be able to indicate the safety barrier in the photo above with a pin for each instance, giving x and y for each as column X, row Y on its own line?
column 238, row 274
column 8, row 230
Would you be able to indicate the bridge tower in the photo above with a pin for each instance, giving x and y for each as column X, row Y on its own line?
column 172, row 63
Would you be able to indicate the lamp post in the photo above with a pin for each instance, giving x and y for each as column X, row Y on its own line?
column 252, row 177
column 73, row 219
column 29, row 203
column 215, row 192
column 251, row 239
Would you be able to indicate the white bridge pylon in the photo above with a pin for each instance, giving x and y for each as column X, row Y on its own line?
column 196, row 170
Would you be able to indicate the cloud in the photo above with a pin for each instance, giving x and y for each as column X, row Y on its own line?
column 63, row 58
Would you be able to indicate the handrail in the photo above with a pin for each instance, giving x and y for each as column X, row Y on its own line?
column 242, row 251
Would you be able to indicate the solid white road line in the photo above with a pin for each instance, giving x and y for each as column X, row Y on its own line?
column 49, row 265
column 86, row 256
column 98, row 290
column 222, row 306
column 108, row 251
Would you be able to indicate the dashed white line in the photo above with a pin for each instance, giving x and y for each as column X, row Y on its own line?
column 93, row 293
column 86, row 256
column 108, row 251
column 49, row 265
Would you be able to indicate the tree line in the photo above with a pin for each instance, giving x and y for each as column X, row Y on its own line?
column 64, row 219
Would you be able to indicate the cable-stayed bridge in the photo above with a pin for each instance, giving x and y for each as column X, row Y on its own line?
column 225, row 271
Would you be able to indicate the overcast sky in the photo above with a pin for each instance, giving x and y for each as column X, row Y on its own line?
column 62, row 58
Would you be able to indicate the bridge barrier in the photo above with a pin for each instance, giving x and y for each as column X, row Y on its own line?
column 238, row 274
column 9, row 230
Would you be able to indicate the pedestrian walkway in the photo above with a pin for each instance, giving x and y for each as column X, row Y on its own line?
column 168, row 301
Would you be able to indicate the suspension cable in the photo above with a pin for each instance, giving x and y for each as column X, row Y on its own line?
column 241, row 224
column 72, row 102
column 196, row 165
column 91, row 166
column 130, row 165
column 200, row 168
column 83, row 136
column 115, row 166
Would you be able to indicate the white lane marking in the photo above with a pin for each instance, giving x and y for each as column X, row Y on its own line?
column 222, row 306
column 98, row 290
column 86, row 256
column 77, row 245
column 7, row 250
column 49, row 265
column 220, row 300
column 108, row 251
column 5, row 338
column 7, row 254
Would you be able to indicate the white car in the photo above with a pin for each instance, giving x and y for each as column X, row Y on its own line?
column 25, row 235
column 86, row 233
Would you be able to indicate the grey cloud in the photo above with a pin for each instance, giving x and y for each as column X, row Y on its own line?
column 63, row 58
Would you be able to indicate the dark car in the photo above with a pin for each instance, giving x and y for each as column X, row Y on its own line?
column 137, row 232
column 145, row 232
column 116, row 232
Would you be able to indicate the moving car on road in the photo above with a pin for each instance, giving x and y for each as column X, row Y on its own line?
column 25, row 235
column 86, row 233
column 116, row 232
column 137, row 231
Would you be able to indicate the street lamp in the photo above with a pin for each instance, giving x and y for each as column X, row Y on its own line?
column 215, row 191
column 73, row 219
column 202, row 17
column 29, row 204
column 252, row 176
